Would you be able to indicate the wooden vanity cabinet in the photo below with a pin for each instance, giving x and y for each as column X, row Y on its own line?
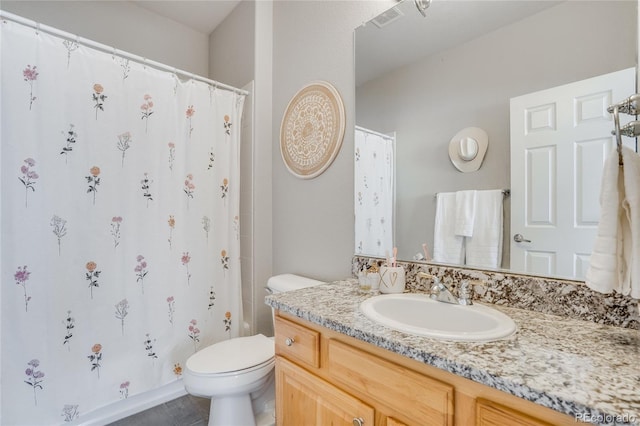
column 327, row 378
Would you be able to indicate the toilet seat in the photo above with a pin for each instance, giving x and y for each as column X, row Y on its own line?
column 233, row 356
column 269, row 363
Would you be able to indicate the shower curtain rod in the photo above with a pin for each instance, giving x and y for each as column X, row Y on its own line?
column 108, row 49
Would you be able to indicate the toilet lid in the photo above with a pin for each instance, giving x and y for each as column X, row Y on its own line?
column 234, row 354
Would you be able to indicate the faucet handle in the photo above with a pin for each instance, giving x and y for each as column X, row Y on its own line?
column 465, row 292
column 423, row 275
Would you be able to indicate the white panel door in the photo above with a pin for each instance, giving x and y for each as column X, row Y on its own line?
column 560, row 138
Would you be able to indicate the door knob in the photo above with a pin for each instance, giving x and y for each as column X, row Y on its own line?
column 518, row 238
column 289, row 341
column 358, row 421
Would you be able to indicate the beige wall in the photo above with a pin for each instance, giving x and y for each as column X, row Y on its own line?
column 262, row 235
column 313, row 229
column 122, row 25
column 232, row 46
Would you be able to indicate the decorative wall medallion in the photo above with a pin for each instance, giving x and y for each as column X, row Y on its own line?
column 312, row 129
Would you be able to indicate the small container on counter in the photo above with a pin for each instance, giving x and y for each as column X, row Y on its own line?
column 369, row 279
column 392, row 279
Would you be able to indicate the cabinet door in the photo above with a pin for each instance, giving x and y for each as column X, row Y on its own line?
column 488, row 413
column 393, row 422
column 303, row 399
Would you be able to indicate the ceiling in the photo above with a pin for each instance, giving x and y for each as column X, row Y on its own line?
column 397, row 42
column 200, row 15
column 448, row 23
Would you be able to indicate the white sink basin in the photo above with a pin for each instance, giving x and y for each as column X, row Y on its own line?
column 418, row 314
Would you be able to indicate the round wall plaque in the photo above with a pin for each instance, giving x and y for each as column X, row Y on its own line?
column 312, row 129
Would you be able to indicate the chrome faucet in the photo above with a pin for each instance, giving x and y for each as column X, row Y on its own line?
column 442, row 293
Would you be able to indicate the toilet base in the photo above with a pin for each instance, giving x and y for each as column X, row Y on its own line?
column 254, row 409
column 232, row 411
column 266, row 418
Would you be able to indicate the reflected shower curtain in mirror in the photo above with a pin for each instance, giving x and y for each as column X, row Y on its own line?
column 120, row 234
column 374, row 187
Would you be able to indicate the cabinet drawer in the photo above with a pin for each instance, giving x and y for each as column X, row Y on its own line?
column 297, row 343
column 489, row 413
column 411, row 397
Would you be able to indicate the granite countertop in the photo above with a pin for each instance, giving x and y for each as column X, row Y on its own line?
column 583, row 369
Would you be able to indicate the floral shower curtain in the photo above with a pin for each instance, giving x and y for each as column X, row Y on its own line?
column 120, row 233
column 374, row 192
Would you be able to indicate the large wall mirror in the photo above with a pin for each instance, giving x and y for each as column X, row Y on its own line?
column 421, row 80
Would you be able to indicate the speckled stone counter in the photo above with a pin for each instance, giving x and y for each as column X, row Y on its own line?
column 554, row 296
column 586, row 370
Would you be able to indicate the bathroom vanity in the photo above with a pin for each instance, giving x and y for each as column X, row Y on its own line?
column 335, row 366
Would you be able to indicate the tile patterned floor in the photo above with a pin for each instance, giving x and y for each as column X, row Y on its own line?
column 185, row 411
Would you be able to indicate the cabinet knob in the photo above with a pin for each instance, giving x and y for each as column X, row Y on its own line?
column 358, row 421
column 289, row 341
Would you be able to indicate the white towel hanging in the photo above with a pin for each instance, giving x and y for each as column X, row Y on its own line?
column 484, row 248
column 465, row 213
column 447, row 247
column 631, row 205
column 615, row 259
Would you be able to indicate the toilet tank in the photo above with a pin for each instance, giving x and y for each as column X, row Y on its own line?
column 288, row 282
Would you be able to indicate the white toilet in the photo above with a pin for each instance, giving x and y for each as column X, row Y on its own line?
column 237, row 374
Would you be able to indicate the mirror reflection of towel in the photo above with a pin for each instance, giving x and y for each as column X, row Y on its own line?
column 465, row 213
column 484, row 248
column 447, row 246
